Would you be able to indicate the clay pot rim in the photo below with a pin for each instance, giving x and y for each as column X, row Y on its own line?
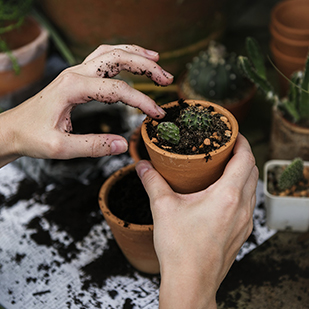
column 133, row 144
column 275, row 19
column 291, row 125
column 218, row 108
column 277, row 53
column 295, row 43
column 103, row 195
column 24, row 50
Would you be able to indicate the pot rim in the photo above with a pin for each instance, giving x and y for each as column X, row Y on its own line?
column 276, row 21
column 283, row 57
column 103, row 197
column 38, row 45
column 276, row 162
column 288, row 41
column 218, row 108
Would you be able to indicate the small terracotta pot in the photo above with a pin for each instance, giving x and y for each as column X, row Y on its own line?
column 286, row 65
column 293, row 48
column 29, row 45
column 134, row 240
column 239, row 109
column 290, row 19
column 287, row 140
column 191, row 173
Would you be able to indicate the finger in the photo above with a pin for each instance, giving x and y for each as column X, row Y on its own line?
column 154, row 183
column 103, row 90
column 113, row 62
column 134, row 49
column 69, row 146
column 239, row 168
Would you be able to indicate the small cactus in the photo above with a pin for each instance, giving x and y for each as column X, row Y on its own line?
column 292, row 174
column 169, row 132
column 195, row 118
column 296, row 105
column 215, row 75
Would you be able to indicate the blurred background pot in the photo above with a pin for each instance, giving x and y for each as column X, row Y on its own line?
column 134, row 240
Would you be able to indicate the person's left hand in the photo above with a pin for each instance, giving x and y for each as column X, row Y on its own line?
column 40, row 127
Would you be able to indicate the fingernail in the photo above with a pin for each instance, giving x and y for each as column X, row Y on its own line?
column 151, row 52
column 141, row 168
column 161, row 110
column 118, row 146
column 167, row 74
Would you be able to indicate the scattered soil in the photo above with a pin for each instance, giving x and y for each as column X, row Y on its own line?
column 301, row 189
column 193, row 141
column 129, row 201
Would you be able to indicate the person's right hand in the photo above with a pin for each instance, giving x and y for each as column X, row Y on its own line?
column 197, row 236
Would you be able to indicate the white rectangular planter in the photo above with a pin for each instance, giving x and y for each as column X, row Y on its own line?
column 283, row 212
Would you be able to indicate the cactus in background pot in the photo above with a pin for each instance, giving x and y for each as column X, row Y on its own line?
column 291, row 175
column 214, row 74
column 296, row 105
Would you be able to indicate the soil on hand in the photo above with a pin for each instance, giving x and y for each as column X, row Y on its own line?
column 129, row 201
column 193, row 141
column 301, row 189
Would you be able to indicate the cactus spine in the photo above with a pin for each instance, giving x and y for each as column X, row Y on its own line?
column 291, row 175
column 214, row 74
column 195, row 118
column 296, row 105
column 169, row 132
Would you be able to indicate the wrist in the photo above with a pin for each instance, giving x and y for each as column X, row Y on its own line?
column 7, row 140
column 187, row 289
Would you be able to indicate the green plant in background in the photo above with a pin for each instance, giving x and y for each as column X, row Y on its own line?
column 296, row 105
column 291, row 175
column 215, row 75
column 195, row 118
column 12, row 16
column 168, row 131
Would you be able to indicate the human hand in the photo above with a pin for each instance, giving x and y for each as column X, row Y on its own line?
column 197, row 236
column 40, row 127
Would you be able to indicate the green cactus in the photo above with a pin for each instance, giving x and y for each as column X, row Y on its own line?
column 215, row 75
column 296, row 104
column 195, row 118
column 169, row 132
column 292, row 174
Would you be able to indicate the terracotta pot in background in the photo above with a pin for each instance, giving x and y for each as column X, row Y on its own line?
column 287, row 140
column 239, row 109
column 134, row 240
column 29, row 45
column 137, row 148
column 176, row 29
column 191, row 173
column 290, row 19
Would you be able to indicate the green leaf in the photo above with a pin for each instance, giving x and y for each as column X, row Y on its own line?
column 304, row 97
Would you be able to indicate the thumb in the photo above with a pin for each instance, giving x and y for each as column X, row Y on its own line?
column 155, row 185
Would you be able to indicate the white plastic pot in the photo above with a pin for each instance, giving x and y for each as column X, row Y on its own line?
column 285, row 212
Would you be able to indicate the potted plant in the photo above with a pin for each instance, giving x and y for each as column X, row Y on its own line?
column 23, row 46
column 214, row 76
column 191, row 145
column 286, row 189
column 289, row 137
column 125, row 207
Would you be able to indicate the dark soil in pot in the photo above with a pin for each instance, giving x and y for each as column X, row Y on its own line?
column 193, row 141
column 129, row 201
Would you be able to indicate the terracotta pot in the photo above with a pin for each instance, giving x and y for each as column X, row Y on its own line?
column 134, row 240
column 287, row 140
column 191, row 173
column 176, row 29
column 29, row 45
column 239, row 109
column 287, row 65
column 290, row 19
column 137, row 148
column 293, row 48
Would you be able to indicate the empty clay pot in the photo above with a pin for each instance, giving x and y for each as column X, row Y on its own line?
column 134, row 240
column 191, row 173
